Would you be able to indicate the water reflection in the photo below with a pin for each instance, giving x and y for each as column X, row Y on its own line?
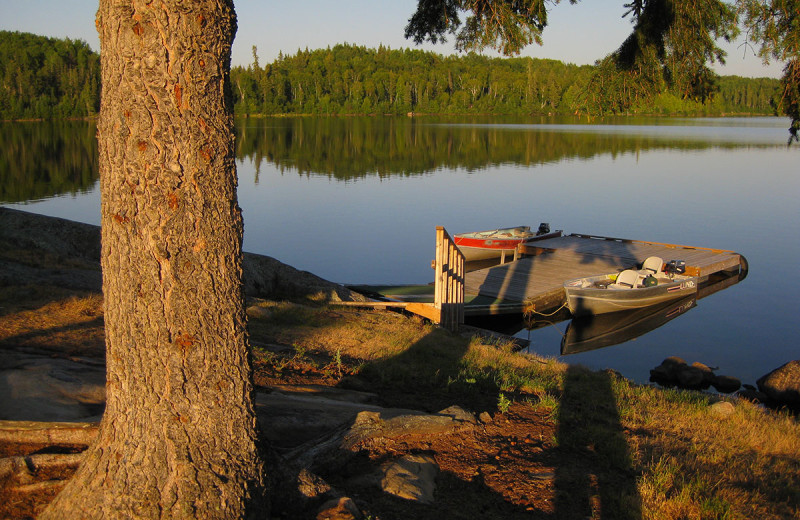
column 587, row 333
column 593, row 332
column 351, row 148
column 42, row 159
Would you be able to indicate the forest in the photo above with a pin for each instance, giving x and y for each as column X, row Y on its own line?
column 42, row 78
column 350, row 79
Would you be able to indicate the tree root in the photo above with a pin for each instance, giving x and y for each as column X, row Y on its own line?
column 40, row 456
column 22, row 472
column 23, row 437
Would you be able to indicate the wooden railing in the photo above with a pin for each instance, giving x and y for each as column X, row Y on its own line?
column 448, row 301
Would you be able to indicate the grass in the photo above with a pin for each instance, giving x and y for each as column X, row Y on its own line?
column 657, row 454
column 681, row 460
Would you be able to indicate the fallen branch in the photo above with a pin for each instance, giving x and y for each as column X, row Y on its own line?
column 46, row 486
column 28, row 469
column 47, row 433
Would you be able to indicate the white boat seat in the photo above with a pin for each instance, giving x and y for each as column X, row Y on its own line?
column 627, row 279
column 652, row 266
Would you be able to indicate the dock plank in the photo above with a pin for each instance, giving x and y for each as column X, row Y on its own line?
column 539, row 279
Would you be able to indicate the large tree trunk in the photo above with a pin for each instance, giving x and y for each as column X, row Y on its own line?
column 178, row 438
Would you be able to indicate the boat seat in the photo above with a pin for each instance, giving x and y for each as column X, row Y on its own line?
column 627, row 279
column 652, row 266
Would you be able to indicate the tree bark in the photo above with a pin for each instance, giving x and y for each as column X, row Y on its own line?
column 179, row 434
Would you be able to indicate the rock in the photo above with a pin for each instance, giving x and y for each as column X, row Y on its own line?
column 708, row 374
column 485, row 418
column 459, row 414
column 542, row 475
column 751, row 393
column 74, row 248
column 726, row 384
column 722, row 408
column 412, row 477
column 311, row 485
column 339, row 509
column 661, row 375
column 370, row 427
column 673, row 362
column 44, row 388
column 667, row 372
column 265, row 277
column 782, row 385
column 690, row 377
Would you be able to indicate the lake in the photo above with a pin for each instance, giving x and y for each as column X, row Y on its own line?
column 356, row 200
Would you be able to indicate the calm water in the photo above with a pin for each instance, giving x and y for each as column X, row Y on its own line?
column 356, row 200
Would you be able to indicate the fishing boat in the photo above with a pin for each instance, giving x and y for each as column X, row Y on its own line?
column 630, row 289
column 483, row 245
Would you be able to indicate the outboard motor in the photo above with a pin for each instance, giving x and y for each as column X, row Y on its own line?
column 544, row 228
column 674, row 267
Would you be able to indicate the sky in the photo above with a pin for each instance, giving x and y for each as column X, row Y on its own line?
column 579, row 34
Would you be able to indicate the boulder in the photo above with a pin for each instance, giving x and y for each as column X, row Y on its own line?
column 726, row 384
column 673, row 364
column 782, row 385
column 690, row 377
column 722, row 408
column 339, row 509
column 667, row 372
column 412, row 477
column 708, row 374
column 49, row 250
column 752, row 394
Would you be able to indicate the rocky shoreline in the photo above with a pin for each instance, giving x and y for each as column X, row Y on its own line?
column 779, row 388
column 31, row 245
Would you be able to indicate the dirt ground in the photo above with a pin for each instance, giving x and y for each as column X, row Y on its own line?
column 506, row 465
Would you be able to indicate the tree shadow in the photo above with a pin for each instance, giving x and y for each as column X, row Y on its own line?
column 596, row 477
column 428, row 376
column 560, row 259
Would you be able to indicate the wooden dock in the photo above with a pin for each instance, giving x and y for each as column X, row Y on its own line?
column 538, row 276
column 535, row 279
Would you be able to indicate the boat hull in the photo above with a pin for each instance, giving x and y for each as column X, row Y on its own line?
column 585, row 298
column 485, row 245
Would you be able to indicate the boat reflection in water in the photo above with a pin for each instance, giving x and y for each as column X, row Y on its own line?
column 591, row 332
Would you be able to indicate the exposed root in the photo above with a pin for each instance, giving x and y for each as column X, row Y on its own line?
column 25, row 437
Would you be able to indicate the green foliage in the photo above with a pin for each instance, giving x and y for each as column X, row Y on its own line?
column 774, row 25
column 503, row 402
column 47, row 77
column 50, row 78
column 349, row 79
column 505, row 25
column 668, row 51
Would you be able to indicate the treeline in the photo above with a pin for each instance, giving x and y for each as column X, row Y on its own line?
column 349, row 79
column 52, row 78
column 47, row 77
